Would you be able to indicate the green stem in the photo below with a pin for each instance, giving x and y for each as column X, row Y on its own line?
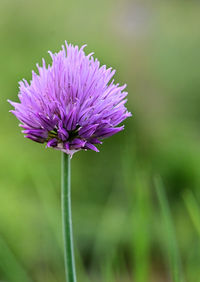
column 67, row 219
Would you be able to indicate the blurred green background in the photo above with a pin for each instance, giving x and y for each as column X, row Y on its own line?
column 136, row 211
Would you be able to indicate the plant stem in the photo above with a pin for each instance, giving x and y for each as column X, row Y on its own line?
column 67, row 219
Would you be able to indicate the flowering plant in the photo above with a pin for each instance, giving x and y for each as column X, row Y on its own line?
column 70, row 105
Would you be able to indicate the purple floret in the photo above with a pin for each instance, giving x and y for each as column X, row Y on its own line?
column 72, row 104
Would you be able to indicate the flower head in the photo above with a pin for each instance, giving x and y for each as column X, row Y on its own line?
column 71, row 104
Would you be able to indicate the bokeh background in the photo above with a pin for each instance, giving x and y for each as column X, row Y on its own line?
column 136, row 211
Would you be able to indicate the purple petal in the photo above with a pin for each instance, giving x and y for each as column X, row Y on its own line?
column 52, row 143
column 41, row 133
column 34, row 138
column 63, row 134
column 71, row 120
column 91, row 147
column 45, row 122
column 107, row 132
column 66, row 145
column 77, row 143
column 87, row 131
column 94, row 141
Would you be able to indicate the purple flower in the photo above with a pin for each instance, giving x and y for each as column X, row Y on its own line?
column 72, row 104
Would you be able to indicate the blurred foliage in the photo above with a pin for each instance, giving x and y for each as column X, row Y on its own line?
column 118, row 222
